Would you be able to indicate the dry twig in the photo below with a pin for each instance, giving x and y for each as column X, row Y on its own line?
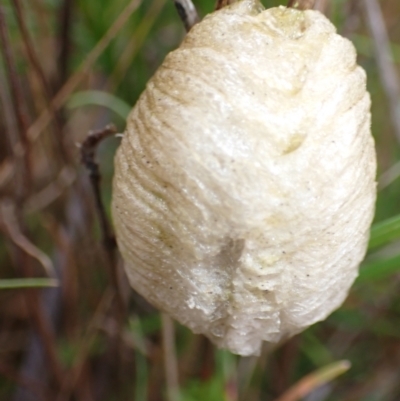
column 65, row 19
column 17, row 100
column 88, row 151
column 187, row 12
column 37, row 68
column 63, row 94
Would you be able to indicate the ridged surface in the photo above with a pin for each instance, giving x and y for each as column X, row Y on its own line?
column 244, row 185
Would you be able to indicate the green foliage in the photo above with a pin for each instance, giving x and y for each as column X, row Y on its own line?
column 216, row 387
column 15, row 283
column 99, row 98
column 211, row 390
column 380, row 268
column 384, row 232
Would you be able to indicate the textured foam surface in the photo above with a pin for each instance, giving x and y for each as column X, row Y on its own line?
column 245, row 182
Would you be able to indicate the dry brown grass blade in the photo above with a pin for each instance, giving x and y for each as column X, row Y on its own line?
column 135, row 44
column 170, row 359
column 51, row 192
column 315, row 380
column 7, row 170
column 7, row 114
column 71, row 379
column 37, row 68
column 18, row 102
column 10, row 225
column 387, row 71
column 65, row 18
column 61, row 97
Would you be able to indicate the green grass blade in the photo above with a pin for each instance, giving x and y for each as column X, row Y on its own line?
column 142, row 371
column 365, row 46
column 384, row 232
column 317, row 352
column 15, row 283
column 99, row 98
column 379, row 269
column 314, row 380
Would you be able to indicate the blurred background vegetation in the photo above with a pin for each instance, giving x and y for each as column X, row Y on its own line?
column 70, row 66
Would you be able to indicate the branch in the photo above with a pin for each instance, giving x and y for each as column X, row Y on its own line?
column 88, row 151
column 64, row 40
column 187, row 12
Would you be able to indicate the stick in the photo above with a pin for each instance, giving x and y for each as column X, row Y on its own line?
column 18, row 101
column 187, row 12
column 88, row 151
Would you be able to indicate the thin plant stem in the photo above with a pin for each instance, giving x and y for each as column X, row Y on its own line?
column 386, row 67
column 64, row 40
column 187, row 12
column 63, row 94
column 37, row 68
column 88, row 151
column 314, row 380
column 245, row 370
column 134, row 45
column 17, row 100
column 170, row 360
column 70, row 381
column 11, row 222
